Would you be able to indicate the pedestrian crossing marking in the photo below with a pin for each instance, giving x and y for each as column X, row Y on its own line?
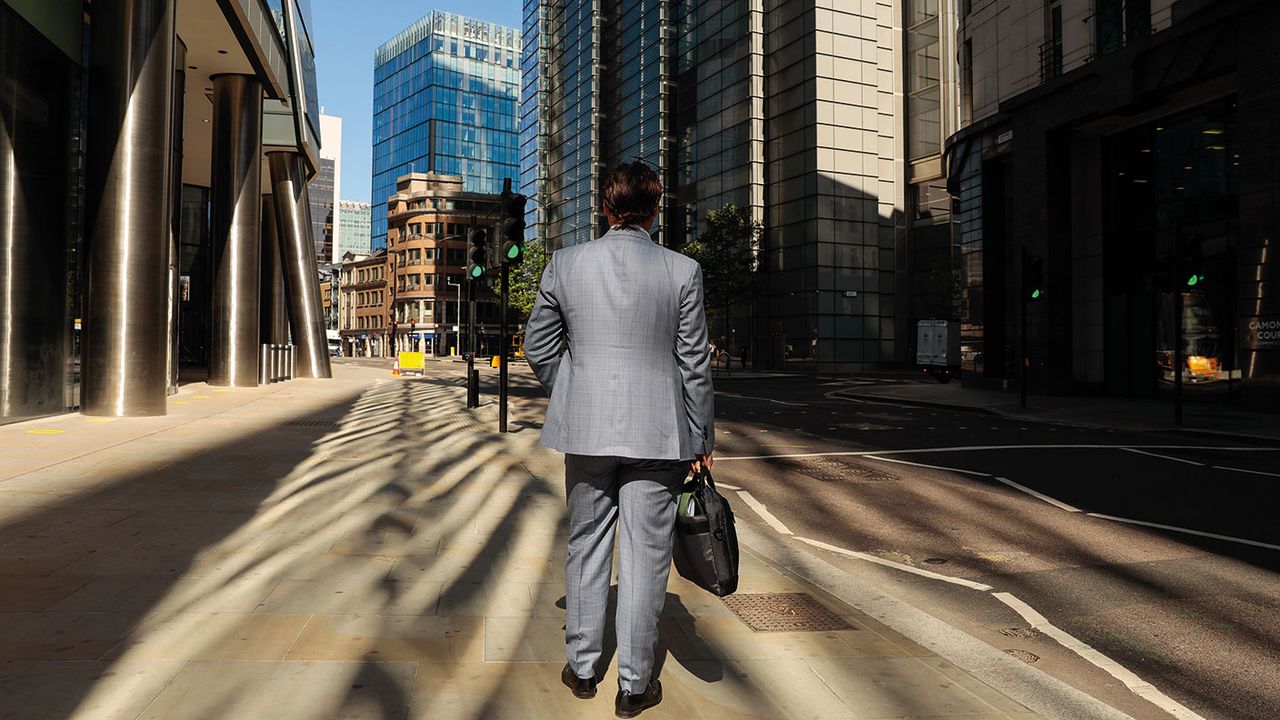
column 45, row 432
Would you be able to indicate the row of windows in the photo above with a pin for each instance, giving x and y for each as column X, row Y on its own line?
column 368, row 323
column 363, row 275
column 369, row 298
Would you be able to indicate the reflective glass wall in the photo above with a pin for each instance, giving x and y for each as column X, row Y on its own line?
column 445, row 100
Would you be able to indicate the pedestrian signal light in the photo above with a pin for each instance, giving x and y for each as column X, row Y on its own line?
column 1035, row 277
column 477, row 255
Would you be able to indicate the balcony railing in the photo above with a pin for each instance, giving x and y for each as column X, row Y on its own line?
column 1050, row 59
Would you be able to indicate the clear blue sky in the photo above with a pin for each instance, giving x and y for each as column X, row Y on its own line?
column 346, row 34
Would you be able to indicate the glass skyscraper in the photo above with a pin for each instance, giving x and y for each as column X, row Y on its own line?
column 445, row 100
column 787, row 110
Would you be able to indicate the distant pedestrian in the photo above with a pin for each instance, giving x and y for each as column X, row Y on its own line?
column 631, row 313
column 743, row 354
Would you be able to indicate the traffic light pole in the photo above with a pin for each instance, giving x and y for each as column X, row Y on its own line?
column 503, row 346
column 1177, row 328
column 473, row 393
column 1024, row 356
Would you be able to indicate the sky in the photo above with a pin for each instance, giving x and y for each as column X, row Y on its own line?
column 346, row 34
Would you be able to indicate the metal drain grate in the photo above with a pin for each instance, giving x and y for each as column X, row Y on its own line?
column 1024, row 656
column 1021, row 633
column 313, row 422
column 784, row 612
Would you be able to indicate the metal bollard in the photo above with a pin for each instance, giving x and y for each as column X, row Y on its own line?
column 293, row 361
column 264, row 365
column 276, row 374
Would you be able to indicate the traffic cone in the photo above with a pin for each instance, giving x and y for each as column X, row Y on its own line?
column 395, row 367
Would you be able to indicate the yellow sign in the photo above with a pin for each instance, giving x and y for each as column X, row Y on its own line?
column 414, row 361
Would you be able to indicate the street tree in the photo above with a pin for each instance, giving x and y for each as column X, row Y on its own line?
column 526, row 277
column 726, row 249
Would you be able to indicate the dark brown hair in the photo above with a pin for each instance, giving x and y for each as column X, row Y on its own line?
column 632, row 193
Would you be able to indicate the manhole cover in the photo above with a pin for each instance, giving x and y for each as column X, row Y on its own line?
column 828, row 470
column 313, row 422
column 1024, row 656
column 936, row 561
column 784, row 612
column 1023, row 633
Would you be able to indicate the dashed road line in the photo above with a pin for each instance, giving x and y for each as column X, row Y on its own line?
column 1039, row 495
column 1249, row 472
column 897, row 566
column 1162, row 457
column 1186, row 531
column 931, row 467
column 1137, row 685
column 763, row 512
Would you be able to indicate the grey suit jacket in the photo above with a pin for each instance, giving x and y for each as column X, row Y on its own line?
column 618, row 337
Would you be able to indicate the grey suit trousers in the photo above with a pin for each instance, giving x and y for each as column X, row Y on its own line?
column 600, row 489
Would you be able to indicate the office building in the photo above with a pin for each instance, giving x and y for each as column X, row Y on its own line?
column 1128, row 147
column 353, row 232
column 362, row 304
column 427, row 223
column 325, row 190
column 132, row 218
column 444, row 102
column 791, row 111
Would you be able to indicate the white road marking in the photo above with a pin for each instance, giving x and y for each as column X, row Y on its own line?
column 1186, row 531
column 979, row 448
column 727, row 486
column 1137, row 685
column 763, row 512
column 1242, row 470
column 1163, row 457
column 752, row 397
column 897, row 566
column 1041, row 496
column 931, row 467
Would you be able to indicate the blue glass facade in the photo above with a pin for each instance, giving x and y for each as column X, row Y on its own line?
column 445, row 100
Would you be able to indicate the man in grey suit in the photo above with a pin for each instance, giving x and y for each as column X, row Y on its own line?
column 618, row 338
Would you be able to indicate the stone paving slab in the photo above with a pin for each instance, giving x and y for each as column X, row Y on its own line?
column 397, row 562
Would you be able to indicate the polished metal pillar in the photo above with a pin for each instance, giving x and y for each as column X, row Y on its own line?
column 298, row 253
column 131, row 103
column 236, row 190
column 273, row 323
column 175, row 215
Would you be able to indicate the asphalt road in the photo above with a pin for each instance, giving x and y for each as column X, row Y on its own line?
column 1013, row 505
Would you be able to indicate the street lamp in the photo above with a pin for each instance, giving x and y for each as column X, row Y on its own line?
column 457, row 325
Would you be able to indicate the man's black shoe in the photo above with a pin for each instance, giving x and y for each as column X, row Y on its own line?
column 628, row 705
column 583, row 688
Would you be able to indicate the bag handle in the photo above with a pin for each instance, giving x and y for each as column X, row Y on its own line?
column 705, row 475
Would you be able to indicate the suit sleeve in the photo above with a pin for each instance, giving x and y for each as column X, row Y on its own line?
column 693, row 355
column 544, row 333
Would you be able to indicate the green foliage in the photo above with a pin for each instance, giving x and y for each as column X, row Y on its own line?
column 526, row 277
column 726, row 249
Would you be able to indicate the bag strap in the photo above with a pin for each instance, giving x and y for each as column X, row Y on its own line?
column 705, row 475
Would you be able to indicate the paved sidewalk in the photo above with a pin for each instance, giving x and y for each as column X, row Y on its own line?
column 1096, row 412
column 365, row 548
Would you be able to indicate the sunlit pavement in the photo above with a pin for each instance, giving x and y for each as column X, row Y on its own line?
column 364, row 548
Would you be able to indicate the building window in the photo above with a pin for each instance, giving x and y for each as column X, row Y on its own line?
column 1051, row 48
column 924, row 76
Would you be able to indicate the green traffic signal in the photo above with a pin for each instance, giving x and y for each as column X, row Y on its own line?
column 513, row 251
column 476, row 271
column 1195, row 280
column 1035, row 294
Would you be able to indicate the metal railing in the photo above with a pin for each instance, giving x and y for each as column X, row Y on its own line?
column 1050, row 59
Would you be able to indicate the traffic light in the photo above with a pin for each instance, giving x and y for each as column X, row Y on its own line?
column 1191, row 260
column 477, row 255
column 1035, row 282
column 511, row 227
